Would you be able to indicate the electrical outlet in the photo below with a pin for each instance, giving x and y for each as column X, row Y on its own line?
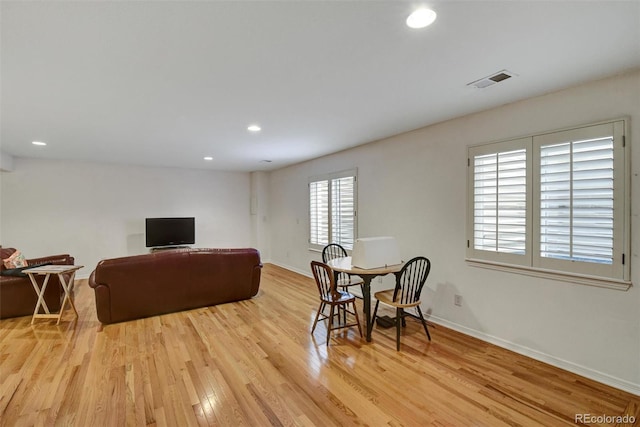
column 379, row 279
column 457, row 300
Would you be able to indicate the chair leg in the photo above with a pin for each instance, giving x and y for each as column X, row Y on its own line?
column 330, row 324
column 315, row 322
column 355, row 312
column 373, row 318
column 424, row 322
column 344, row 309
column 398, row 324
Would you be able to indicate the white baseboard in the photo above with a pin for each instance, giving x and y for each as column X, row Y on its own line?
column 592, row 374
column 288, row 267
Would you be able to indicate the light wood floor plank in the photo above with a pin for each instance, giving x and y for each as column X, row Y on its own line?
column 255, row 363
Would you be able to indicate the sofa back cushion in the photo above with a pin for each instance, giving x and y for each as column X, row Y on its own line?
column 168, row 281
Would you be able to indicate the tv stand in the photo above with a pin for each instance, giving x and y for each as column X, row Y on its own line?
column 166, row 248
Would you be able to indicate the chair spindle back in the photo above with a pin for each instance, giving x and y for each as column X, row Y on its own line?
column 332, row 251
column 323, row 274
column 411, row 279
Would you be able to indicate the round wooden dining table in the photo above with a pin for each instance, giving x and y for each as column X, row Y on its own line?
column 344, row 265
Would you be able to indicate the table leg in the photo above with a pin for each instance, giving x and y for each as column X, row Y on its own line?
column 67, row 294
column 366, row 298
column 40, row 293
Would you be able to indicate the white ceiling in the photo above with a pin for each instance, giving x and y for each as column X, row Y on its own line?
column 165, row 83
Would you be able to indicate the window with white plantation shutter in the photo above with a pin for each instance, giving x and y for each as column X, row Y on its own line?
column 332, row 210
column 556, row 203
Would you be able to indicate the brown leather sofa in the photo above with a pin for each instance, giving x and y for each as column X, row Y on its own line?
column 17, row 296
column 173, row 280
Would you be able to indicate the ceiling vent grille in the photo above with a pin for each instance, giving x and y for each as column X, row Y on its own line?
column 498, row 77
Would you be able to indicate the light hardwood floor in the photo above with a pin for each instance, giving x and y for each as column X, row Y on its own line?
column 254, row 363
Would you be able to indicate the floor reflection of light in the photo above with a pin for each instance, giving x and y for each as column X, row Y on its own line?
column 317, row 348
column 209, row 405
column 344, row 347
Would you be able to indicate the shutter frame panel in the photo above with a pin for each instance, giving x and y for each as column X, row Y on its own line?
column 595, row 203
column 498, row 215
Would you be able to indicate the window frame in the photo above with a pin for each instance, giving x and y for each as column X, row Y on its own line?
column 616, row 275
column 330, row 177
column 497, row 257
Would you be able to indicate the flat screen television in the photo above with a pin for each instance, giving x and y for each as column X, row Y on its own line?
column 170, row 231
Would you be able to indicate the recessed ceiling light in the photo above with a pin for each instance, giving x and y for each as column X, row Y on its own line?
column 254, row 128
column 39, row 143
column 208, row 158
column 421, row 18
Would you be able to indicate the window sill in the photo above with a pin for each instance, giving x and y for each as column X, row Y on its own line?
column 620, row 285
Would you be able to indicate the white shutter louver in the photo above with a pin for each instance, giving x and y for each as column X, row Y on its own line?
column 576, row 201
column 500, row 194
column 343, row 211
column 319, row 212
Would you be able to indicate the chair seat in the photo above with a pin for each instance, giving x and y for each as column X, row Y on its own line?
column 386, row 297
column 340, row 297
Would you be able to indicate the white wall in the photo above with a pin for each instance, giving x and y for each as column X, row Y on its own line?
column 259, row 205
column 6, row 161
column 412, row 186
column 95, row 211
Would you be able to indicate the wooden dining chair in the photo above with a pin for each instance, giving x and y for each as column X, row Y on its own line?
column 332, row 251
column 332, row 297
column 409, row 283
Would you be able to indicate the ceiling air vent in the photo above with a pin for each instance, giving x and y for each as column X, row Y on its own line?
column 498, row 77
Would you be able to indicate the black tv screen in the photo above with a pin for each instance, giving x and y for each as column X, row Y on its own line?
column 170, row 231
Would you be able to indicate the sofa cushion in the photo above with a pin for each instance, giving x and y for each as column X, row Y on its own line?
column 16, row 260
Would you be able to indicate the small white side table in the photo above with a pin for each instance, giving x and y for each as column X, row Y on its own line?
column 47, row 271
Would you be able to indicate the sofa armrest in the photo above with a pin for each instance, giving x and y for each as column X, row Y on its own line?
column 103, row 299
column 92, row 279
column 255, row 279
